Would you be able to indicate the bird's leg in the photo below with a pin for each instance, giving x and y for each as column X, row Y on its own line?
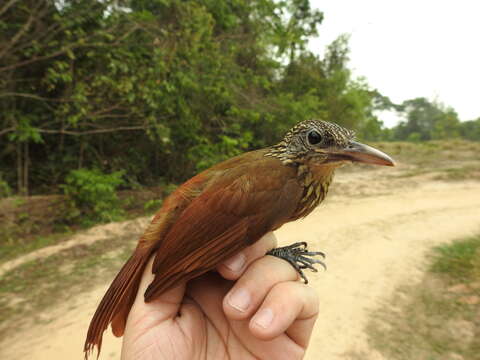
column 299, row 257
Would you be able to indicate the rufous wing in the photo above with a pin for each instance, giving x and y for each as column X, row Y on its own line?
column 232, row 212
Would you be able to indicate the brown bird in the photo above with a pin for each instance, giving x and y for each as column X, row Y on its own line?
column 228, row 207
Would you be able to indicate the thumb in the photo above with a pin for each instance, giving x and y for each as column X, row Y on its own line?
column 165, row 307
column 147, row 320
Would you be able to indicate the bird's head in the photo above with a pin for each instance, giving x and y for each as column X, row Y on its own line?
column 320, row 143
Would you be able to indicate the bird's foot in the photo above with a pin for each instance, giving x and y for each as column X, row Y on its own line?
column 299, row 257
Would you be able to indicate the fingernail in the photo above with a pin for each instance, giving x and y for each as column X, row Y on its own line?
column 263, row 318
column 236, row 263
column 239, row 299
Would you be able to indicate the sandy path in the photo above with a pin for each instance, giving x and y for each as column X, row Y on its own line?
column 373, row 244
column 87, row 237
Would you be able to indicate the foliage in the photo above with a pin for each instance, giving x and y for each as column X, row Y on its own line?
column 470, row 130
column 152, row 205
column 92, row 196
column 162, row 88
column 427, row 120
column 4, row 188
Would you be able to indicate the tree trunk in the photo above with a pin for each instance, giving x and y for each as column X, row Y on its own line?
column 26, row 162
column 19, row 168
column 80, row 155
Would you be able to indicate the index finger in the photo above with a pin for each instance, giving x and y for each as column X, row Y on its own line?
column 234, row 267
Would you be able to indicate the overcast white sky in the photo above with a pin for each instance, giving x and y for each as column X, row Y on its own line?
column 408, row 48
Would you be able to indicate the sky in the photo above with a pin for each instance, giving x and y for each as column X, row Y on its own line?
column 408, row 49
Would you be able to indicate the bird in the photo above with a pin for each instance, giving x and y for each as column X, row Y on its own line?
column 228, row 207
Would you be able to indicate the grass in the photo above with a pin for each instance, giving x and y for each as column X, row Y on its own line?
column 453, row 160
column 459, row 261
column 434, row 156
column 438, row 318
column 40, row 284
column 13, row 249
column 432, row 152
column 31, row 223
column 469, row 172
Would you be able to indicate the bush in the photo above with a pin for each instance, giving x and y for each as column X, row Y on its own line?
column 4, row 188
column 92, row 196
column 414, row 137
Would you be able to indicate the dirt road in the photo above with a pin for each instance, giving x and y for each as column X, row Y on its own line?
column 373, row 242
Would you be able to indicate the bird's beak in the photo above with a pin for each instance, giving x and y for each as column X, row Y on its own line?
column 359, row 152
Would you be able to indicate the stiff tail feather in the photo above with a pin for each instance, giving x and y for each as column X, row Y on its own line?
column 116, row 302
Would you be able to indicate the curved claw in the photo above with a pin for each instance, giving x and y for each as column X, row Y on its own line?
column 314, row 253
column 299, row 257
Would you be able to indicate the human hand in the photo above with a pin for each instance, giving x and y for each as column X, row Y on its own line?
column 265, row 314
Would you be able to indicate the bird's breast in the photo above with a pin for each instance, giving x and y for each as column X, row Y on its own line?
column 315, row 189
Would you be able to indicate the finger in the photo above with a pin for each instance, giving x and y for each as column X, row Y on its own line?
column 147, row 278
column 250, row 290
column 207, row 291
column 166, row 314
column 290, row 307
column 233, row 268
column 164, row 307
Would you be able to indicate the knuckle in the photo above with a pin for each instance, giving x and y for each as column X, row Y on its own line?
column 273, row 270
column 266, row 243
column 272, row 240
column 311, row 301
column 315, row 299
column 301, row 291
column 236, row 263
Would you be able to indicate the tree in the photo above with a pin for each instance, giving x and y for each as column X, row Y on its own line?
column 470, row 130
column 426, row 120
column 160, row 88
column 447, row 126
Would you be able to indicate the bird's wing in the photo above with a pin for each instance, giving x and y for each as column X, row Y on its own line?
column 233, row 211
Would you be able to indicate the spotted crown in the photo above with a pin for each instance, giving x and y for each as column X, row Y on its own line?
column 294, row 144
column 335, row 134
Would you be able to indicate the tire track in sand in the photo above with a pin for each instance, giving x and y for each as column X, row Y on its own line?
column 373, row 244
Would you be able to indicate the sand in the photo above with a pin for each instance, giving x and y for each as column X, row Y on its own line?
column 374, row 243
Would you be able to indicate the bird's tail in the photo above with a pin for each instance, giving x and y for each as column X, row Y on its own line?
column 117, row 301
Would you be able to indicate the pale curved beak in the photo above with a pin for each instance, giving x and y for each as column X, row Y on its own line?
column 359, row 152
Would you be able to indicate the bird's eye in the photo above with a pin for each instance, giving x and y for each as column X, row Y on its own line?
column 314, row 137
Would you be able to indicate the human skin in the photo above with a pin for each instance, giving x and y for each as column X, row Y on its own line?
column 253, row 308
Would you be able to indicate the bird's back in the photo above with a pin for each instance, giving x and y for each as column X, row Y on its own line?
column 206, row 220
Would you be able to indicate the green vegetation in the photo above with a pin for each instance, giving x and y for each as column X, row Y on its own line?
column 158, row 90
column 92, row 196
column 428, row 120
column 30, row 223
column 438, row 318
column 4, row 188
column 161, row 88
column 434, row 153
column 14, row 248
column 152, row 205
column 459, row 261
column 445, row 160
